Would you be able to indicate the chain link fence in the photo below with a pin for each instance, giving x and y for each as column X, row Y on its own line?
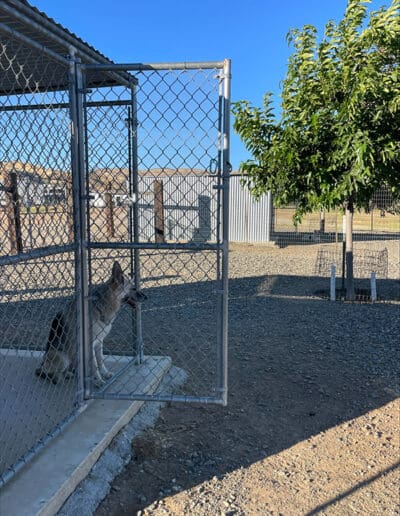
column 35, row 215
column 113, row 193
column 154, row 187
column 320, row 238
column 262, row 222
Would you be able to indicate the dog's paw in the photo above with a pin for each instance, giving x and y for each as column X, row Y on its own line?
column 106, row 374
column 98, row 382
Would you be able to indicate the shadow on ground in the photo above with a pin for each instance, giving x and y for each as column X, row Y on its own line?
column 288, row 238
column 297, row 367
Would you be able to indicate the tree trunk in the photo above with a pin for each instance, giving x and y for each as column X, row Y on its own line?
column 350, row 291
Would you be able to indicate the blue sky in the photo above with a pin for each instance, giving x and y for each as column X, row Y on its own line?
column 250, row 32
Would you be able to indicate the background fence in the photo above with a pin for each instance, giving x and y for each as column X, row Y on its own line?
column 174, row 205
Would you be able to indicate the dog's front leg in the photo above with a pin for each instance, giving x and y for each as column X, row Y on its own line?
column 101, row 371
column 98, row 380
column 105, row 373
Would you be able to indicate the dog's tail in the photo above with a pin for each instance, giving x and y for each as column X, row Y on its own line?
column 54, row 341
column 56, row 332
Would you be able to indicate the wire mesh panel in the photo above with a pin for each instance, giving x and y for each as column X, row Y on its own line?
column 33, row 291
column 37, row 259
column 35, row 174
column 155, row 208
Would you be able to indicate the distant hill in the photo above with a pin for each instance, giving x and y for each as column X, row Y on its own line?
column 100, row 179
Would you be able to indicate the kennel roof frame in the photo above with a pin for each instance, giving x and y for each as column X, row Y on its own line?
column 48, row 41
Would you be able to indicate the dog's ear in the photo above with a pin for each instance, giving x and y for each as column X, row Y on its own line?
column 117, row 276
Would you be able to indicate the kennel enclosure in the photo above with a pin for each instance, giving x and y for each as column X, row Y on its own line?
column 100, row 163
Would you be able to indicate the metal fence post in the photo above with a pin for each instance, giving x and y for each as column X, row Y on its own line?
column 78, row 190
column 226, row 170
column 134, row 216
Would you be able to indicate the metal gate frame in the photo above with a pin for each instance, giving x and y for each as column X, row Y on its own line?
column 84, row 247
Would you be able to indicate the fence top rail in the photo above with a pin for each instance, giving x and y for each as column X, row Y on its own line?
column 36, row 253
column 139, row 67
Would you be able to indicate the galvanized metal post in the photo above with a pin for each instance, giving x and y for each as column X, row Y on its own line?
column 78, row 189
column 134, row 217
column 226, row 170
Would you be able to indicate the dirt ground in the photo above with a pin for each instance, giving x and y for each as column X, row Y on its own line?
column 312, row 422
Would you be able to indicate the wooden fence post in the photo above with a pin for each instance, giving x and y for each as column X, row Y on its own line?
column 13, row 212
column 109, row 212
column 159, row 228
column 322, row 221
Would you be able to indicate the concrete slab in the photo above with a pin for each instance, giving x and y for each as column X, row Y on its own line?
column 95, row 487
column 47, row 481
column 29, row 407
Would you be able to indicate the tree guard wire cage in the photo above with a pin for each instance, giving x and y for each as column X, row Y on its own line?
column 102, row 163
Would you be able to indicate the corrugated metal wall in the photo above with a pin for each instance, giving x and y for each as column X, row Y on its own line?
column 249, row 219
column 190, row 207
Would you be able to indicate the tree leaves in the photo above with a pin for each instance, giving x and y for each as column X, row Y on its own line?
column 339, row 133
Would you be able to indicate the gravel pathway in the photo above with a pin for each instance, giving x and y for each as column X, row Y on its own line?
column 311, row 425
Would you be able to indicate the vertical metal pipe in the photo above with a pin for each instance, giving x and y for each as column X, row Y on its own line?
column 87, row 190
column 218, row 217
column 83, row 206
column 219, row 314
column 226, row 169
column 81, row 283
column 219, row 160
column 130, row 123
column 134, row 218
column 130, row 188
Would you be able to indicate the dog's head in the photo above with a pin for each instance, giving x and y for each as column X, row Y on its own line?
column 124, row 287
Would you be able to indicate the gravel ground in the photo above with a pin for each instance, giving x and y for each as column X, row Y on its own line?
column 311, row 425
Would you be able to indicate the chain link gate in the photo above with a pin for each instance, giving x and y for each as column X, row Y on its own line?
column 155, row 199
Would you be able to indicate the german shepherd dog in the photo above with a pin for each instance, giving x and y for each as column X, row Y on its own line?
column 105, row 300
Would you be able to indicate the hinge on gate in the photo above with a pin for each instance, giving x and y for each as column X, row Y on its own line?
column 220, row 187
column 214, row 169
column 130, row 201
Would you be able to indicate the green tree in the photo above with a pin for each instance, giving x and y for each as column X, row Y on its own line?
column 337, row 140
